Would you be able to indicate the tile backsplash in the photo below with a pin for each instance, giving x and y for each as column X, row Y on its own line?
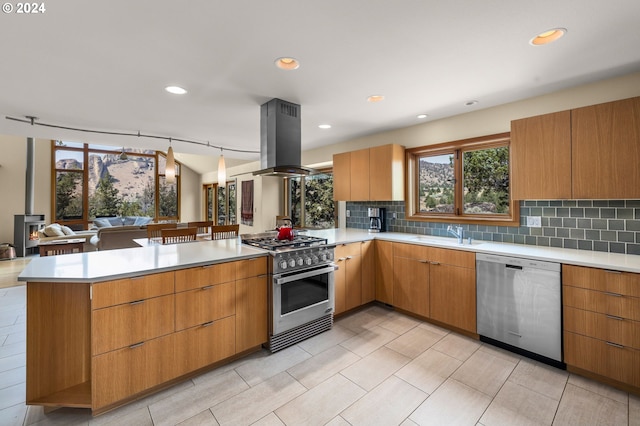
column 600, row 225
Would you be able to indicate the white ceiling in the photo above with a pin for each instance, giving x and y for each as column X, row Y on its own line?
column 104, row 64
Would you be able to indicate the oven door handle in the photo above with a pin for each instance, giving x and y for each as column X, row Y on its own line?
column 279, row 279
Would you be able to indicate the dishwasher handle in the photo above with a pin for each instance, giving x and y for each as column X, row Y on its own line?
column 513, row 267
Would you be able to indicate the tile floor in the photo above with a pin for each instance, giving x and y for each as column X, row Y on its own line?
column 375, row 367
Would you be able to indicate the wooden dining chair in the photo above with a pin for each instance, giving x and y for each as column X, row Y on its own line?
column 153, row 229
column 224, row 231
column 204, row 227
column 178, row 235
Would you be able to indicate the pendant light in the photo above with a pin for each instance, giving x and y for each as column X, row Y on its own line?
column 170, row 167
column 222, row 171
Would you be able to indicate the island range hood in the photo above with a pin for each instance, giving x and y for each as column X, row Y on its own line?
column 281, row 140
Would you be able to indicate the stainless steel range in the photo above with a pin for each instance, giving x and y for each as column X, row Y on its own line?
column 302, row 291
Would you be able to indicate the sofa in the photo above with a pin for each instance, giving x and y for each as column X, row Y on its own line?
column 107, row 222
column 117, row 237
column 56, row 232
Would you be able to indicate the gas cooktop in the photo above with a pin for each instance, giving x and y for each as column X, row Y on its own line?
column 269, row 241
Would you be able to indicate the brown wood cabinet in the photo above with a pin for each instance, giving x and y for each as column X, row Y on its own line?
column 97, row 345
column 369, row 174
column 606, row 150
column 342, row 176
column 367, row 252
column 602, row 323
column 348, row 277
column 452, row 283
column 541, row 157
column 583, row 153
column 384, row 271
column 411, row 278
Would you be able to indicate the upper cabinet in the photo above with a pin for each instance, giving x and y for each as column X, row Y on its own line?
column 584, row 153
column 541, row 157
column 373, row 174
column 606, row 150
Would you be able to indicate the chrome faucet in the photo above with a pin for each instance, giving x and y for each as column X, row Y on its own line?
column 457, row 233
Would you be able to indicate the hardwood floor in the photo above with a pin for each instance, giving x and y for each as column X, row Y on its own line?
column 10, row 269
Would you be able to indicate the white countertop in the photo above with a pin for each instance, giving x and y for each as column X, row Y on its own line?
column 114, row 264
column 595, row 259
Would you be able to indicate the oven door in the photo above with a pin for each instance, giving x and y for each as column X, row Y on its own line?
column 302, row 296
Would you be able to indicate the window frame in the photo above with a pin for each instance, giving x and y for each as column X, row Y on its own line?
column 458, row 216
column 88, row 149
column 210, row 192
column 287, row 207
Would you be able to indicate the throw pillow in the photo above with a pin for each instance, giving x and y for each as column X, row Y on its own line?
column 67, row 231
column 53, row 230
column 142, row 220
column 101, row 222
column 129, row 220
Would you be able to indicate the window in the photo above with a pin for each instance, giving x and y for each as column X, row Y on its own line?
column 309, row 200
column 464, row 181
column 220, row 203
column 97, row 181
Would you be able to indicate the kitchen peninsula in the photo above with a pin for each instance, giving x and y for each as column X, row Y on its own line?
column 104, row 328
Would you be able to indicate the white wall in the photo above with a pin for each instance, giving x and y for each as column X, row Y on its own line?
column 13, row 166
column 267, row 196
column 487, row 121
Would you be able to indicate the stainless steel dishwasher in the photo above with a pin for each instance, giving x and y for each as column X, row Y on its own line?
column 519, row 305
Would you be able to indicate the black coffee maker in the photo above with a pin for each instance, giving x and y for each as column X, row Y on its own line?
column 377, row 219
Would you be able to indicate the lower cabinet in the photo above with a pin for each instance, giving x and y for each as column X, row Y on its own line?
column 118, row 374
column 383, row 253
column 411, row 283
column 602, row 323
column 204, row 344
column 434, row 283
column 367, row 267
column 348, row 277
column 96, row 345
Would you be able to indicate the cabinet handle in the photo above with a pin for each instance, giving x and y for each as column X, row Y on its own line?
column 340, row 259
column 136, row 345
column 349, row 257
column 136, row 302
column 615, row 345
column 206, row 287
column 608, row 293
column 208, row 323
column 263, row 276
column 423, row 261
column 614, row 317
column 612, row 272
column 434, row 263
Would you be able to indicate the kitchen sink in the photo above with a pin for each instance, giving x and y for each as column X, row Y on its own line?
column 427, row 239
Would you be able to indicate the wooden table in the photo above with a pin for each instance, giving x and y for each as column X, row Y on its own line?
column 71, row 245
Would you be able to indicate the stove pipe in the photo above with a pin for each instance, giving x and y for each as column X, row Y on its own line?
column 30, row 178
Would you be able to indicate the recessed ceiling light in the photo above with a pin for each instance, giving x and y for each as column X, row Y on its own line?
column 548, row 36
column 469, row 103
column 375, row 98
column 176, row 90
column 325, row 126
column 422, row 116
column 287, row 63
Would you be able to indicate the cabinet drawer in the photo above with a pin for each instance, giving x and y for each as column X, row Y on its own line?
column 203, row 345
column 604, row 327
column 251, row 267
column 127, row 290
column 209, row 303
column 618, row 363
column 604, row 303
column 123, row 373
column 624, row 283
column 192, row 278
column 344, row 250
column 411, row 251
column 465, row 259
column 123, row 325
